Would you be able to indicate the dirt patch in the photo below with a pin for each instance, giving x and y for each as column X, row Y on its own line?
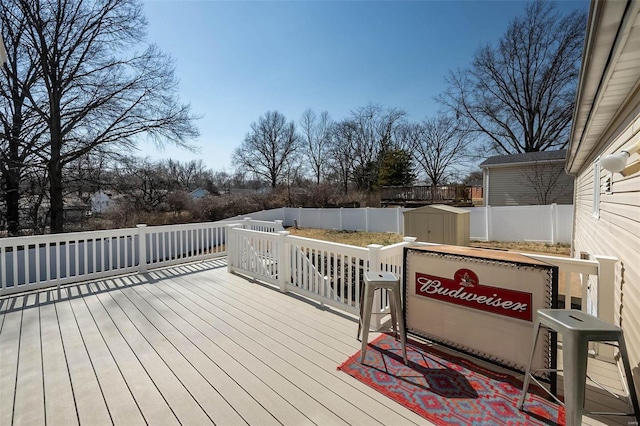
column 525, row 247
column 362, row 239
column 353, row 238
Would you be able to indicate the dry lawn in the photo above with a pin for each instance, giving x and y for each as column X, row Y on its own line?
column 362, row 239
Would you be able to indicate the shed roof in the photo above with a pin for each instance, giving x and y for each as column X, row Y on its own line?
column 527, row 157
column 438, row 207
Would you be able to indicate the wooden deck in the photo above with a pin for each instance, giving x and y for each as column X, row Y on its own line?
column 191, row 345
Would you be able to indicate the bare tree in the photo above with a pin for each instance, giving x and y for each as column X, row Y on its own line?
column 20, row 129
column 266, row 149
column 142, row 183
column 189, row 175
column 92, row 92
column 315, row 136
column 342, row 152
column 439, row 147
column 520, row 93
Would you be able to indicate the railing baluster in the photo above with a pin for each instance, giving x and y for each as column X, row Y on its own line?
column 26, row 264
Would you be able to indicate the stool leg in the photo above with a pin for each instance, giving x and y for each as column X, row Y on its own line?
column 394, row 312
column 397, row 302
column 627, row 372
column 527, row 373
column 574, row 360
column 362, row 288
column 366, row 319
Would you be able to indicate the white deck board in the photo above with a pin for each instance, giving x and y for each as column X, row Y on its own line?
column 58, row 394
column 194, row 345
column 89, row 400
column 303, row 360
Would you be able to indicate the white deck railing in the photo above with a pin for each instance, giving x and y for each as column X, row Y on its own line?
column 31, row 263
column 332, row 273
column 328, row 272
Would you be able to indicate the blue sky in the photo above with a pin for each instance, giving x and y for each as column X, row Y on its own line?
column 238, row 59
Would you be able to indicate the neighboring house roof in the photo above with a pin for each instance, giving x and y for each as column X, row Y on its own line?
column 610, row 71
column 527, row 157
column 198, row 193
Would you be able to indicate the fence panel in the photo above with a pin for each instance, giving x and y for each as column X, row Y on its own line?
column 547, row 224
column 478, row 223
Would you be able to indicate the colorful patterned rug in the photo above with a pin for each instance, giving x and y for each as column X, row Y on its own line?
column 446, row 389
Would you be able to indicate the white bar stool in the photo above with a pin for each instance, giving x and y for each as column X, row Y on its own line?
column 389, row 282
column 578, row 329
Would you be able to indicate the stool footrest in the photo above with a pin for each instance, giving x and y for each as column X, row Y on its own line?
column 605, row 413
column 545, row 389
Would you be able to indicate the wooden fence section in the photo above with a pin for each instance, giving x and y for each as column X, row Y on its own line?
column 427, row 194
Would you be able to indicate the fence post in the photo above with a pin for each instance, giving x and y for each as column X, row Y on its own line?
column 398, row 216
column 366, row 219
column 142, row 248
column 488, row 222
column 341, row 225
column 374, row 265
column 606, row 298
column 554, row 223
column 284, row 270
column 300, row 217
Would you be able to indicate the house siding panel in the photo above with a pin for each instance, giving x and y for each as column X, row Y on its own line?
column 511, row 186
column 617, row 231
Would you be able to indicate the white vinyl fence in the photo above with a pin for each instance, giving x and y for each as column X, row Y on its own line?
column 549, row 224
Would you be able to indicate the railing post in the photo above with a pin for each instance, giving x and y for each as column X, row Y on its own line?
column 142, row 248
column 278, row 226
column 232, row 247
column 606, row 299
column 246, row 224
column 284, row 269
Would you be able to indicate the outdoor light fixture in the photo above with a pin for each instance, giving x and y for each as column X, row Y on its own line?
column 617, row 163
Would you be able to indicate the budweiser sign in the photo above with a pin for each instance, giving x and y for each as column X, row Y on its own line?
column 465, row 290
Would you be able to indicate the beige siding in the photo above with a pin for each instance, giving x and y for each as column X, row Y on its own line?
column 524, row 185
column 616, row 232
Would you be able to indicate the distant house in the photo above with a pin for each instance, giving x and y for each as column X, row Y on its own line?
column 606, row 121
column 198, row 193
column 532, row 178
column 101, row 202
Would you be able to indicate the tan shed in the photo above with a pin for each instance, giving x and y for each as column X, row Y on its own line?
column 438, row 223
